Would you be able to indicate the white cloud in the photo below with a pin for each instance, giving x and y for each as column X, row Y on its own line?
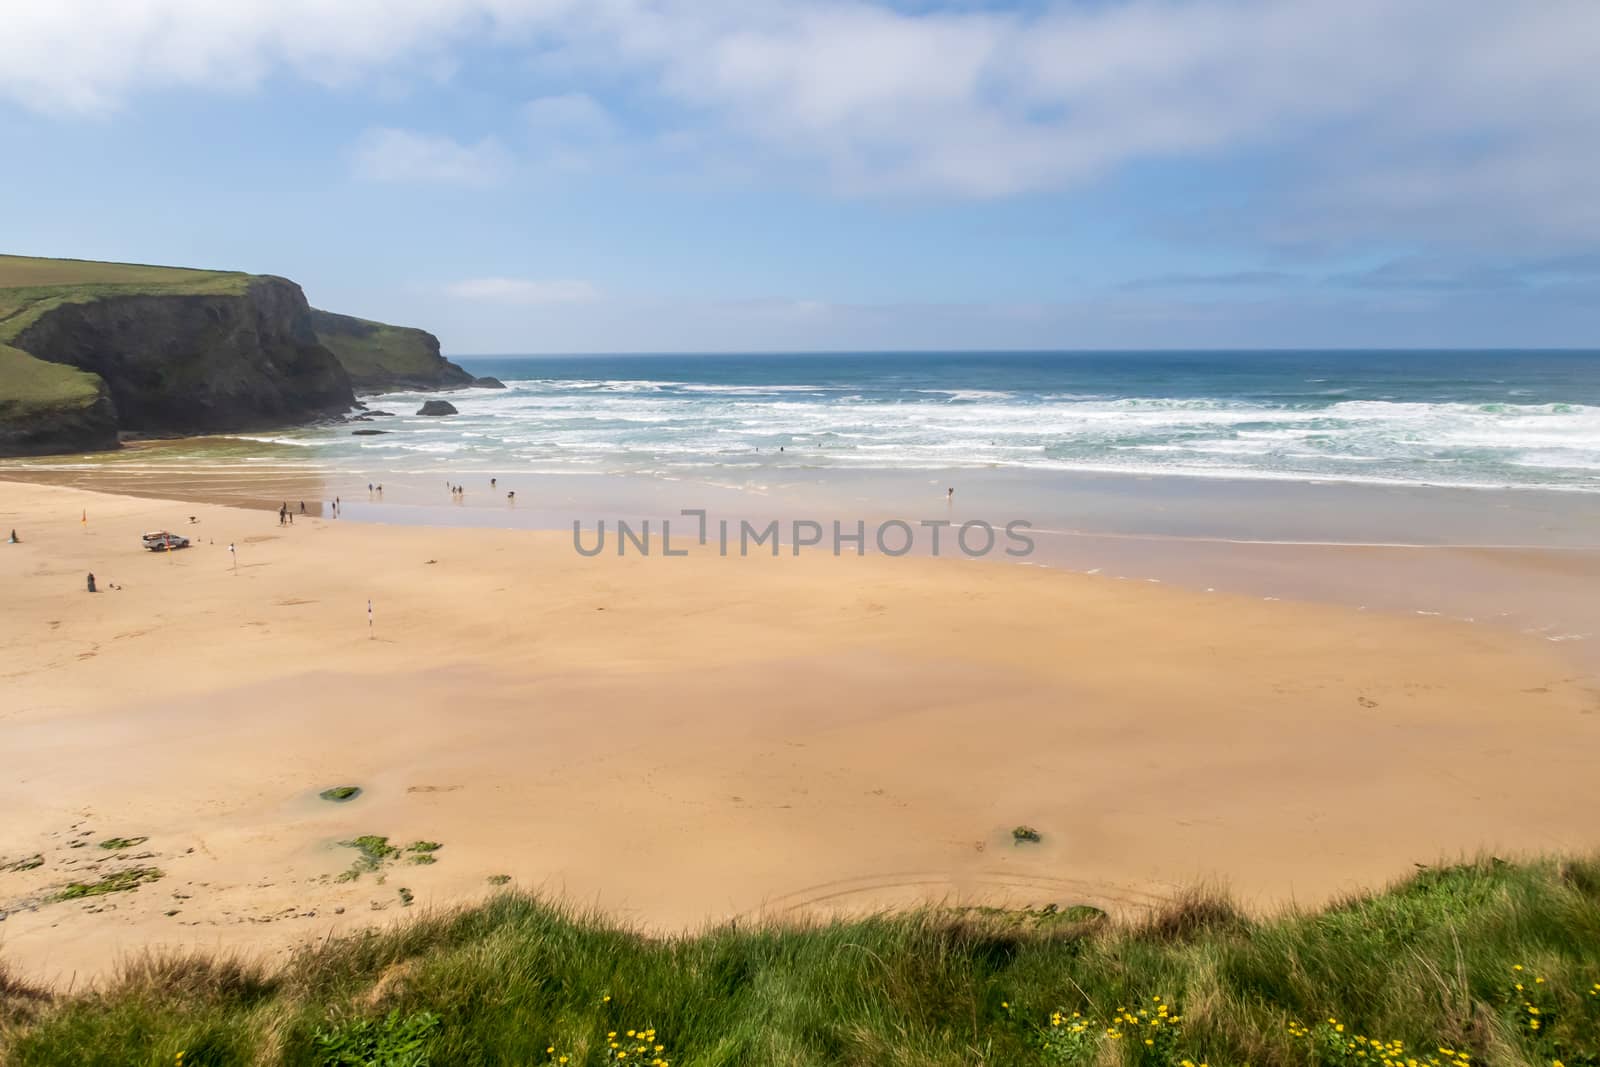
column 1479, row 108
column 391, row 155
column 523, row 291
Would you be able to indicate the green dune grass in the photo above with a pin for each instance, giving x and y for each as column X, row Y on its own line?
column 1487, row 963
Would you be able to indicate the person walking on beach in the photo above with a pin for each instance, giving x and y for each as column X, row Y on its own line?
column 14, row 539
column 91, row 582
column 302, row 507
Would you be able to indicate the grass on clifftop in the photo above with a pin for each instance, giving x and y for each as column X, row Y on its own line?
column 1488, row 963
column 30, row 286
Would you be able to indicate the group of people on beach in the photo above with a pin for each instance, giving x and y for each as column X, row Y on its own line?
column 458, row 493
column 286, row 513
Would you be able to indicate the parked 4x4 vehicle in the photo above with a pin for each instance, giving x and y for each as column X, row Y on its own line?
column 161, row 540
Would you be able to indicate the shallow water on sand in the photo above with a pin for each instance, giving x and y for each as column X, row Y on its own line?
column 1526, row 559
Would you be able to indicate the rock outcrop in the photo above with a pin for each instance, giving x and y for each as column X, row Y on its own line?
column 197, row 363
column 487, row 382
column 380, row 358
column 89, row 350
column 77, row 416
column 437, row 407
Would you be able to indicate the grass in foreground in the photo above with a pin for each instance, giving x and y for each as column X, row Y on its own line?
column 1488, row 963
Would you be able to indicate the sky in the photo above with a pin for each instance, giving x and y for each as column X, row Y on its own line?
column 568, row 176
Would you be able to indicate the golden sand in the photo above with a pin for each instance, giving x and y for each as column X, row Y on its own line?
column 685, row 740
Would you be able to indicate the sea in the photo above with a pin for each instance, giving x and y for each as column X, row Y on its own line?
column 1472, row 419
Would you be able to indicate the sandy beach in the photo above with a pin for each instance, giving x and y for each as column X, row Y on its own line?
column 678, row 741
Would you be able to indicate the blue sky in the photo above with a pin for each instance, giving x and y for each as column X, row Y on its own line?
column 666, row 175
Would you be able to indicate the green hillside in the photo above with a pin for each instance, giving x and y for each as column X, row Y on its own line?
column 378, row 356
column 1488, row 964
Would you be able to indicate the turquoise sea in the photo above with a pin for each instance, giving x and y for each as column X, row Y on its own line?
column 1489, row 419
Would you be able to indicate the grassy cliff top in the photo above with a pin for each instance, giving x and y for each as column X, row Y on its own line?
column 31, row 286
column 29, row 271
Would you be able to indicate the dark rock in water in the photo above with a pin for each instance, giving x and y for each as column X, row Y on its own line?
column 375, row 414
column 437, row 407
column 488, row 383
column 366, row 433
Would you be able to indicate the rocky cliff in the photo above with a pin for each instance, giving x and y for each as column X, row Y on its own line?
column 201, row 363
column 88, row 350
column 381, row 358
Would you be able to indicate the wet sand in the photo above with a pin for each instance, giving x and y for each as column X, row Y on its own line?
column 678, row 741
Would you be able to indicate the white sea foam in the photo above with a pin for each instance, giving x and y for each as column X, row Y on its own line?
column 668, row 425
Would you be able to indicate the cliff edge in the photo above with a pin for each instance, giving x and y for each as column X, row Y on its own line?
column 89, row 350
